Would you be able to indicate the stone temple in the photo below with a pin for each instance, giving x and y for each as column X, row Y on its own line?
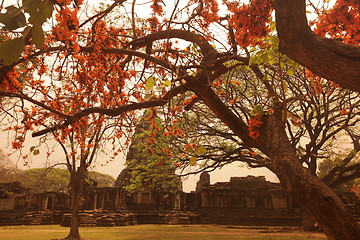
column 241, row 201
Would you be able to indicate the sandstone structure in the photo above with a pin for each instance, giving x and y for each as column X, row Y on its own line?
column 241, row 201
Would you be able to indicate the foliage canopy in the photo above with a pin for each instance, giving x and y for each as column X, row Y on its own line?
column 87, row 76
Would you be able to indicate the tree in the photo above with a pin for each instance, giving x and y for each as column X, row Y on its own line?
column 8, row 170
column 327, row 117
column 149, row 160
column 146, row 65
column 40, row 180
column 321, row 118
column 327, row 165
column 329, row 58
column 102, row 180
column 81, row 142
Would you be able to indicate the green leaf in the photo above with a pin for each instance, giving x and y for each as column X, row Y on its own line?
column 253, row 49
column 286, row 115
column 264, row 57
column 36, row 152
column 273, row 26
column 13, row 19
column 39, row 10
column 200, row 150
column 290, row 72
column 192, row 160
column 258, row 109
column 158, row 88
column 189, row 149
column 285, row 86
column 150, row 83
column 148, row 96
column 167, row 83
column 38, row 36
column 67, row 108
column 10, row 50
column 272, row 59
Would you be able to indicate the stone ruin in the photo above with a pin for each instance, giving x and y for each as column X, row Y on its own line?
column 241, row 201
column 248, row 200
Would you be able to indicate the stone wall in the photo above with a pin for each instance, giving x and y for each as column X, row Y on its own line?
column 125, row 217
column 241, row 201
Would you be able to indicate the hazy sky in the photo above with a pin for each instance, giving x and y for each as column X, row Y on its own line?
column 115, row 167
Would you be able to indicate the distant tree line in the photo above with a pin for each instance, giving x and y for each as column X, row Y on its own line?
column 46, row 179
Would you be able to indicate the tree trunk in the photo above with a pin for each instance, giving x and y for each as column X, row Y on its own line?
column 316, row 197
column 308, row 222
column 75, row 221
column 327, row 58
column 76, row 193
column 330, row 212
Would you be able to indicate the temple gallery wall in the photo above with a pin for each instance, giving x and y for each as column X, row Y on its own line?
column 241, row 201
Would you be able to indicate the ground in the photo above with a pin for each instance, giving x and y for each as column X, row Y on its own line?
column 159, row 232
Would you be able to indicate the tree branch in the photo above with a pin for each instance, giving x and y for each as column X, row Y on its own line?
column 113, row 112
column 325, row 57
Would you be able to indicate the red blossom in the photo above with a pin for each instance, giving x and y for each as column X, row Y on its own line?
column 255, row 123
column 251, row 21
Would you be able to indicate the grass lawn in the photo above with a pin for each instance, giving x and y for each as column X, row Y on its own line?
column 158, row 232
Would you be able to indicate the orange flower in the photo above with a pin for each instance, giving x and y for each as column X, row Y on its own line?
column 255, row 123
column 343, row 112
column 251, row 21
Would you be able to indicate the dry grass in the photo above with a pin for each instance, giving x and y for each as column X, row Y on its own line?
column 159, row 232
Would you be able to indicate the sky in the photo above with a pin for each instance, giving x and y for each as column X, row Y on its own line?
column 114, row 168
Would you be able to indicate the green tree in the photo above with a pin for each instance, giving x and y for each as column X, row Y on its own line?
column 45, row 179
column 335, row 161
column 102, row 180
column 8, row 170
column 149, row 160
column 57, row 179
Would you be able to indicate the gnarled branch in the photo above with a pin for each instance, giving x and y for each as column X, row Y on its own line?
column 325, row 57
